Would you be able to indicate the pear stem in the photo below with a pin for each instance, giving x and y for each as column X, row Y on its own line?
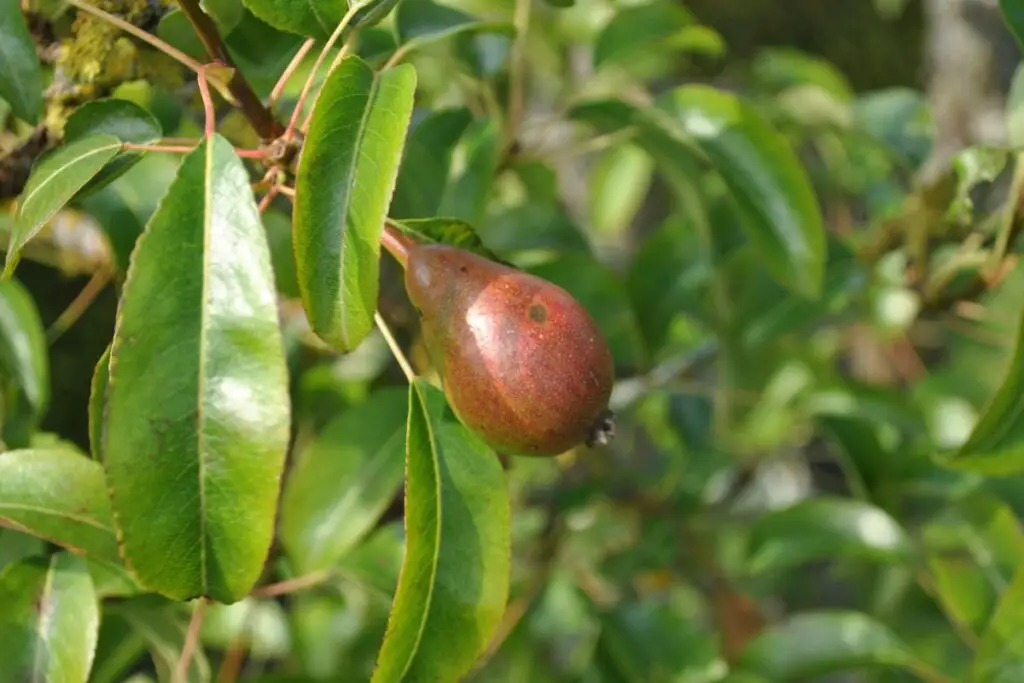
column 395, row 242
column 396, row 350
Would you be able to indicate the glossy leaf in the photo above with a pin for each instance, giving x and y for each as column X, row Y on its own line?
column 426, row 163
column 446, row 231
column 197, row 416
column 344, row 480
column 345, row 179
column 825, row 528
column 125, row 120
column 996, row 444
column 316, row 18
column 454, row 580
column 53, row 183
column 420, row 22
column 24, row 353
column 98, row 404
column 764, row 175
column 49, row 621
column 817, row 643
column 640, row 29
column 58, row 495
column 21, row 78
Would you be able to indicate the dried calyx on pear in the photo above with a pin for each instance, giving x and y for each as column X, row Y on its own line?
column 523, row 364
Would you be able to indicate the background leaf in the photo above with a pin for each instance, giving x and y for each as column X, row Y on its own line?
column 24, row 363
column 98, row 404
column 345, row 179
column 53, row 183
column 812, row 644
column 125, row 120
column 446, row 231
column 825, row 528
column 49, row 621
column 765, row 177
column 426, row 163
column 197, row 402
column 996, row 444
column 454, row 581
column 21, row 78
column 344, row 480
column 316, row 18
column 420, row 22
column 58, row 495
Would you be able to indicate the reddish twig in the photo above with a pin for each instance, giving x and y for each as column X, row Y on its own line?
column 286, row 75
column 209, row 115
column 191, row 642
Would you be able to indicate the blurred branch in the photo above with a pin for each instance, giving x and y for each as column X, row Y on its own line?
column 262, row 121
column 80, row 304
column 191, row 641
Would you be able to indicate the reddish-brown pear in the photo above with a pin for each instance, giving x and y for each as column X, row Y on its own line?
column 522, row 362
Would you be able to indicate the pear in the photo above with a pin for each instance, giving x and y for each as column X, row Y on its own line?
column 522, row 363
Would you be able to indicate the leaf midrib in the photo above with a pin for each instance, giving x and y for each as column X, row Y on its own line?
column 414, row 650
column 58, row 172
column 24, row 507
column 201, row 379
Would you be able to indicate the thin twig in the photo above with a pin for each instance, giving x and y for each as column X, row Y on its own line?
column 517, row 72
column 262, row 121
column 396, row 350
column 292, row 585
column 267, row 198
column 286, row 75
column 79, row 305
column 287, row 191
column 209, row 114
column 191, row 641
column 399, row 54
column 164, row 47
column 297, row 112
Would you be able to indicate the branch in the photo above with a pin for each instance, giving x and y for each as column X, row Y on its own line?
column 262, row 121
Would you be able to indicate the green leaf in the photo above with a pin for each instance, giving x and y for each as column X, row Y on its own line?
column 24, row 353
column 640, row 29
column 50, row 620
column 344, row 480
column 344, row 183
column 454, row 581
column 825, row 527
column 53, row 183
column 371, row 12
column 996, row 444
column 125, row 120
column 1000, row 656
column 446, row 231
column 650, row 641
column 58, row 495
column 98, row 403
column 316, row 18
column 533, row 225
column 766, row 179
column 21, row 78
column 426, row 163
column 15, row 545
column 225, row 13
column 816, row 643
column 279, row 237
column 466, row 196
column 619, row 184
column 197, row 417
column 421, row 22
column 1013, row 11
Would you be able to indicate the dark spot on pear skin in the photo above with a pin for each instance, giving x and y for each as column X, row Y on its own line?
column 523, row 364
